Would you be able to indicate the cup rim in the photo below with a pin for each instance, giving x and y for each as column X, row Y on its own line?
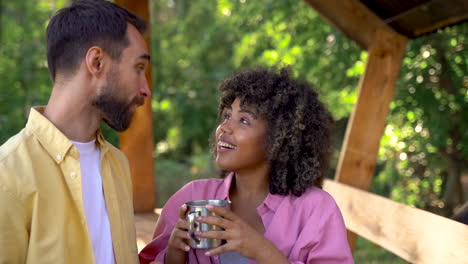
column 203, row 203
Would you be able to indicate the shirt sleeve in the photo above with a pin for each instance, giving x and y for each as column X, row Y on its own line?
column 156, row 249
column 331, row 244
column 13, row 229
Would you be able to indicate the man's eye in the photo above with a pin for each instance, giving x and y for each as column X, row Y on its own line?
column 245, row 121
column 227, row 116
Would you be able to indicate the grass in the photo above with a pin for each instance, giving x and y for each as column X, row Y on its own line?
column 368, row 253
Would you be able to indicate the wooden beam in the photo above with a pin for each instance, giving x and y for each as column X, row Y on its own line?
column 366, row 125
column 414, row 235
column 137, row 141
column 429, row 17
column 352, row 18
column 367, row 122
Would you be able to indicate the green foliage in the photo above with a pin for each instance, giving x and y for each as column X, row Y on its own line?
column 368, row 253
column 424, row 148
column 198, row 43
column 23, row 65
column 172, row 175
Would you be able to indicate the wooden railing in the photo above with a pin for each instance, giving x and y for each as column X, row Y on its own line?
column 414, row 235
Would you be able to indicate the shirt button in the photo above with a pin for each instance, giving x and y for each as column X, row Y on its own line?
column 73, row 175
column 58, row 157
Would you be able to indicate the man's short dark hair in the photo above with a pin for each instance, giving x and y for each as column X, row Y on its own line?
column 86, row 23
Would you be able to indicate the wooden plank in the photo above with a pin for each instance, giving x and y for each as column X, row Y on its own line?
column 367, row 122
column 429, row 17
column 137, row 141
column 415, row 235
column 352, row 18
column 390, row 8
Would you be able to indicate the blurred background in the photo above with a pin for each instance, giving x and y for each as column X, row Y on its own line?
column 423, row 156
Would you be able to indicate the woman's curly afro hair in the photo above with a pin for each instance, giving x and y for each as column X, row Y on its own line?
column 298, row 125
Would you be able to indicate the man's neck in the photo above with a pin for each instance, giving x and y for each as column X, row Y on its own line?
column 72, row 113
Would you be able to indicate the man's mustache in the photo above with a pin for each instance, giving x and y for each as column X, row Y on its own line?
column 138, row 100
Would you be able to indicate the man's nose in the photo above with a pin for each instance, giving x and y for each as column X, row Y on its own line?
column 145, row 89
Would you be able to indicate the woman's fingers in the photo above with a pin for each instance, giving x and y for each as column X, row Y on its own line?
column 181, row 241
column 181, row 228
column 223, row 235
column 216, row 220
column 219, row 250
column 222, row 211
column 182, row 211
column 182, row 224
column 180, row 236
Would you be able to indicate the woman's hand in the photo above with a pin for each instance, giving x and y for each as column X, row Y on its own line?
column 240, row 237
column 178, row 247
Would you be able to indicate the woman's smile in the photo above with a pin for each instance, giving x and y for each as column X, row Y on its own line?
column 240, row 138
column 224, row 146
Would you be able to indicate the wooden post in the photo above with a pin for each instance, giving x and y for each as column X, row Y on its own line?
column 367, row 122
column 137, row 141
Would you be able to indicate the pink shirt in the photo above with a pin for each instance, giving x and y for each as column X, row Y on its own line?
column 307, row 229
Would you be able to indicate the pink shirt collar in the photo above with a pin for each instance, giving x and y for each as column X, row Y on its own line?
column 272, row 201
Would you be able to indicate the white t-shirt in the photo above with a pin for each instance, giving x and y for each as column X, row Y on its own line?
column 94, row 202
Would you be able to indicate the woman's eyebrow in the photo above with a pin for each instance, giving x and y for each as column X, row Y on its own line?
column 248, row 112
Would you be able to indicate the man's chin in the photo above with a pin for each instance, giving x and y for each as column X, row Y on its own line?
column 119, row 127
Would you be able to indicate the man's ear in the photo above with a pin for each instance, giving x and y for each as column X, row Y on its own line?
column 95, row 61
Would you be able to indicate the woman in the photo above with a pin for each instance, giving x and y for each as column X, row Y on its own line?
column 274, row 141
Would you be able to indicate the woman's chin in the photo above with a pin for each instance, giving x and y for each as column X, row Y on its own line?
column 223, row 165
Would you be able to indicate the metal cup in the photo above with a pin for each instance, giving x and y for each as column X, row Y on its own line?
column 196, row 209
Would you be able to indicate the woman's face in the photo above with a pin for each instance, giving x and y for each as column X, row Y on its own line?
column 241, row 139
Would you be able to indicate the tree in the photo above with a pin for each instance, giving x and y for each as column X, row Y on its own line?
column 423, row 152
column 425, row 145
column 23, row 65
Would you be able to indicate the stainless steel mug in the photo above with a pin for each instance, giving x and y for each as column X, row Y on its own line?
column 196, row 209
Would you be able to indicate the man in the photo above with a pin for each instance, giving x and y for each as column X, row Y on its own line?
column 65, row 192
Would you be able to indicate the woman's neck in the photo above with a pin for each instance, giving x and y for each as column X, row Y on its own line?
column 252, row 186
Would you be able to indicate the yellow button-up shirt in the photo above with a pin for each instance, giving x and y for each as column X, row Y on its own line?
column 42, row 217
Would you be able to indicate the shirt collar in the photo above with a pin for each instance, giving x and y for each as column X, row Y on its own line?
column 272, row 201
column 101, row 142
column 51, row 138
column 227, row 186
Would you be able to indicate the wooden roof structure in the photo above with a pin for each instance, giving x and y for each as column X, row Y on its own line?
column 414, row 18
column 382, row 27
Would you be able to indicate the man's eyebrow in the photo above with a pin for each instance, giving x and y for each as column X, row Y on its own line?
column 254, row 115
column 145, row 56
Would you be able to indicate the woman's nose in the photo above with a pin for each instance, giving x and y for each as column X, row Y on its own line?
column 225, row 127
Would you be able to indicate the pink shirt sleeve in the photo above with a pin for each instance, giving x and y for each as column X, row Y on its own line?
column 156, row 249
column 329, row 244
column 332, row 246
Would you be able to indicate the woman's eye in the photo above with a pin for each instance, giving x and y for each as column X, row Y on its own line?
column 227, row 116
column 244, row 121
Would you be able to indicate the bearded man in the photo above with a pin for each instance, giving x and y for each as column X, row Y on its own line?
column 65, row 192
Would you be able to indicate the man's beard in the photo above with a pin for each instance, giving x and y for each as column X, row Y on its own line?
column 116, row 112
